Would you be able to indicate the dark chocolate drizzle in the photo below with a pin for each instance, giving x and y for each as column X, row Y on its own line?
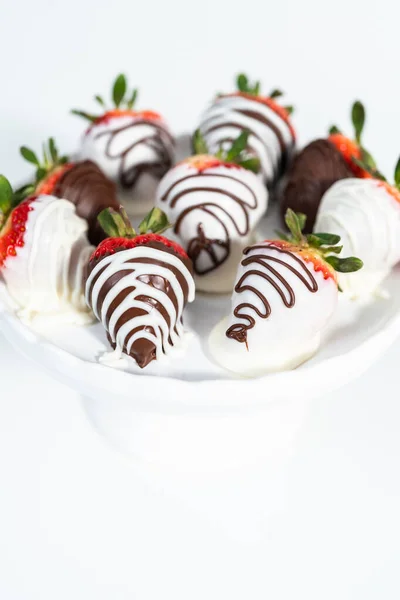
column 201, row 242
column 238, row 331
column 143, row 351
column 161, row 142
column 208, row 126
column 86, row 186
column 312, row 173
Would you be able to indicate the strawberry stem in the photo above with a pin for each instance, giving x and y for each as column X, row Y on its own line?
column 116, row 223
column 296, row 223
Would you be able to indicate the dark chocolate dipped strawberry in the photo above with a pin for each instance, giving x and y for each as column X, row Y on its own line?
column 323, row 162
column 138, row 286
column 82, row 183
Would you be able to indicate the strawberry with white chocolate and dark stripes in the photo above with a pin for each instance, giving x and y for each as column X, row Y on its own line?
column 138, row 286
column 134, row 148
column 272, row 136
column 215, row 202
column 286, row 292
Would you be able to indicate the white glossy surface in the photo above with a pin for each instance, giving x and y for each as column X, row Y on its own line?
column 367, row 218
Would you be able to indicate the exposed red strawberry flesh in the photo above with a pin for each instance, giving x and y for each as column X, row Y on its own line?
column 202, row 162
column 48, row 184
column 270, row 102
column 13, row 233
column 147, row 115
column 112, row 245
column 308, row 255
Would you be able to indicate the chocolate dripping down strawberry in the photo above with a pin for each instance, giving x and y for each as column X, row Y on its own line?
column 323, row 162
column 138, row 286
column 321, row 250
column 127, row 143
column 80, row 182
column 215, row 201
column 272, row 136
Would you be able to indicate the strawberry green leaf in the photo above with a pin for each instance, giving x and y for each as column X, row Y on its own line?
column 156, row 221
column 281, row 235
column 358, row 118
column 29, row 155
column 256, row 89
column 313, row 240
column 302, row 218
column 329, row 239
column 40, row 174
column 345, row 265
column 6, row 196
column 242, row 83
column 334, row 249
column 289, row 109
column 53, row 150
column 22, row 193
column 367, row 158
column 84, row 115
column 397, row 174
column 276, row 94
column 238, row 146
column 119, row 90
column 199, row 143
column 100, row 101
column 374, row 172
column 115, row 223
column 251, row 164
column 133, row 98
column 333, row 130
column 293, row 223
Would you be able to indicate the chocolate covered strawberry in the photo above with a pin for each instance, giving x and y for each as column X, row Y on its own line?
column 366, row 214
column 272, row 137
column 323, row 162
column 286, row 292
column 216, row 202
column 133, row 147
column 43, row 254
column 82, row 183
column 138, row 286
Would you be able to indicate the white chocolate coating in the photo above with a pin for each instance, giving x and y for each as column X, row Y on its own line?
column 367, row 218
column 46, row 275
column 166, row 333
column 135, row 153
column 227, row 204
column 271, row 139
column 280, row 312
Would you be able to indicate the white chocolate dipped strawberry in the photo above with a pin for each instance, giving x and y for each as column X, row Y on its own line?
column 134, row 148
column 286, row 292
column 272, row 137
column 366, row 214
column 43, row 256
column 138, row 286
column 215, row 203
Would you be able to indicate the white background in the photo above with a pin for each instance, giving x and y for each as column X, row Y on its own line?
column 78, row 519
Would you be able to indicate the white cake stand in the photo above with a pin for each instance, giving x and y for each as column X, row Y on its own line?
column 188, row 414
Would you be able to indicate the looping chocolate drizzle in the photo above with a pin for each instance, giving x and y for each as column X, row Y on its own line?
column 238, row 331
column 160, row 142
column 202, row 242
column 208, row 127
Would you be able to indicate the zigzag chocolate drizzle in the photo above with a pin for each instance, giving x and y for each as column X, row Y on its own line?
column 262, row 268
